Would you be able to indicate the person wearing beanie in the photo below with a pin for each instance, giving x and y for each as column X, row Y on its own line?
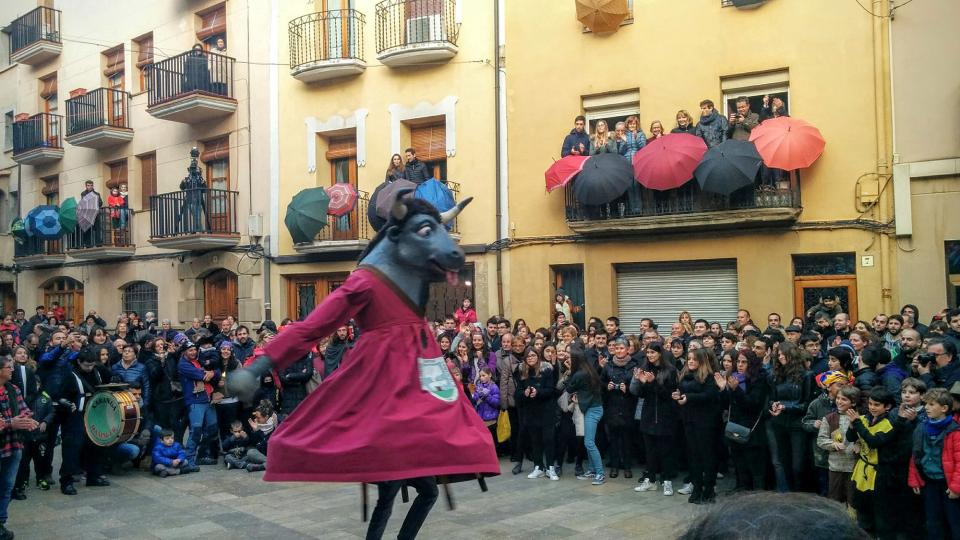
column 830, row 383
column 197, row 391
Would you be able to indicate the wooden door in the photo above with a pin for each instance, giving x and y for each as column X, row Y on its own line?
column 336, row 38
column 68, row 292
column 570, row 280
column 220, row 294
column 115, row 102
column 807, row 291
column 344, row 171
column 305, row 292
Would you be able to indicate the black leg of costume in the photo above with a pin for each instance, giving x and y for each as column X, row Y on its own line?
column 386, row 493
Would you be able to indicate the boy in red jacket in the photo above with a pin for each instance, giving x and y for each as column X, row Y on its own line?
column 935, row 465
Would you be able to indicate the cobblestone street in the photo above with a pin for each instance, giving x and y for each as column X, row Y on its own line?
column 237, row 504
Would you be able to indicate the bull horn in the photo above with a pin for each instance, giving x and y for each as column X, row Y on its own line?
column 451, row 214
column 399, row 208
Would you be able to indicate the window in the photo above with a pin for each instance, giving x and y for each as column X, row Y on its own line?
column 611, row 107
column 48, row 93
column 430, row 142
column 775, row 84
column 143, row 46
column 148, row 179
column 67, row 292
column 117, row 172
column 8, row 120
column 445, row 298
column 342, row 155
column 824, row 275
column 51, row 189
column 216, row 156
column 113, row 65
column 213, row 25
column 305, row 292
column 140, row 296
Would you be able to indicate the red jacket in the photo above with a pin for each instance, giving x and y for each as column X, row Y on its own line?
column 951, row 463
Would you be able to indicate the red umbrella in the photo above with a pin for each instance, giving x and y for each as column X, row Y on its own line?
column 343, row 197
column 561, row 172
column 669, row 161
column 787, row 143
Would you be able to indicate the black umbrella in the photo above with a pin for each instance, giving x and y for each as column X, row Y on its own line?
column 604, row 178
column 376, row 221
column 728, row 167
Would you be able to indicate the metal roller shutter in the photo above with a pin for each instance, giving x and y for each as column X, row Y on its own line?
column 660, row 291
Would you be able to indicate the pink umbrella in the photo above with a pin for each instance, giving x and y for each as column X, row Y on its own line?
column 343, row 198
column 669, row 161
column 787, row 143
column 562, row 171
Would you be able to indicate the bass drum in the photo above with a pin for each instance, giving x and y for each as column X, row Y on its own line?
column 112, row 417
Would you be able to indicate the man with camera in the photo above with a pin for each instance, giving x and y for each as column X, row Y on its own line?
column 742, row 122
column 938, row 367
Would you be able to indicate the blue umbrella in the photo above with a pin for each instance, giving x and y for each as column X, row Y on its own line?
column 438, row 194
column 44, row 222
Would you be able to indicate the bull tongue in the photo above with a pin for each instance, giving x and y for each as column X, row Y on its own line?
column 453, row 278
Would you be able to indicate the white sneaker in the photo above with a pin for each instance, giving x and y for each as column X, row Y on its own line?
column 667, row 488
column 686, row 489
column 719, row 476
column 552, row 473
column 537, row 473
column 646, row 485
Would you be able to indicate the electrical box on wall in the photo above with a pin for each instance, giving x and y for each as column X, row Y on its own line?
column 255, row 225
column 868, row 191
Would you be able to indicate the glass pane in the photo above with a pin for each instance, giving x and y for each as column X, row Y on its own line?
column 812, row 296
column 341, row 171
column 306, row 299
column 832, row 264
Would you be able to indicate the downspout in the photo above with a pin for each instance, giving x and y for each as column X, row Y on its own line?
column 501, row 156
column 881, row 63
column 271, row 244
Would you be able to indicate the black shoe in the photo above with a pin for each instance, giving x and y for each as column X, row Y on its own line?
column 517, row 468
column 189, row 469
column 614, row 473
column 207, row 461
column 5, row 533
column 68, row 489
column 628, row 473
column 99, row 481
column 578, row 470
column 19, row 494
column 696, row 497
column 709, row 496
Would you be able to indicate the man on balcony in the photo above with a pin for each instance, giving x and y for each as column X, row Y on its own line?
column 94, row 236
column 712, row 127
column 416, row 170
column 193, row 215
column 577, row 142
column 742, row 122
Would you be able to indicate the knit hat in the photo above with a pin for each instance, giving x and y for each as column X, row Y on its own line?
column 226, row 344
column 180, row 338
column 825, row 379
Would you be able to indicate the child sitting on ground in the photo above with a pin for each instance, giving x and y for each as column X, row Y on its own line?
column 262, row 423
column 235, row 449
column 168, row 456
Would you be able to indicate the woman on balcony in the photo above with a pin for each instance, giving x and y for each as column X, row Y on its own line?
column 656, row 130
column 602, row 142
column 395, row 171
column 633, row 141
column 684, row 123
column 219, row 70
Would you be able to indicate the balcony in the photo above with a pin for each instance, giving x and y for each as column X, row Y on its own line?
column 415, row 32
column 327, row 45
column 688, row 209
column 194, row 219
column 110, row 237
column 99, row 119
column 192, row 87
column 37, row 253
column 36, row 139
column 350, row 232
column 35, row 37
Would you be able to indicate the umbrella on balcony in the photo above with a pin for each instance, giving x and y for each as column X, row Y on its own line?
column 68, row 214
column 563, row 170
column 436, row 193
column 343, row 199
column 18, row 231
column 376, row 221
column 728, row 167
column 602, row 15
column 44, row 222
column 669, row 161
column 604, row 178
column 307, row 214
column 388, row 194
column 87, row 210
column 787, row 143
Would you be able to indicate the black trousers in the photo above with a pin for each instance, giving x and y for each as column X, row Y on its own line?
column 620, row 445
column 568, row 444
column 79, row 453
column 750, row 462
column 44, row 465
column 538, row 442
column 35, row 451
column 702, row 455
column 660, row 451
column 386, row 493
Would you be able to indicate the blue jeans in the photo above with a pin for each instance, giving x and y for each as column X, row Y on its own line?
column 203, row 429
column 8, row 475
column 124, row 452
column 590, row 420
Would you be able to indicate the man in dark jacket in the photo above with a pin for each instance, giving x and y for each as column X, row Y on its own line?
column 742, row 122
column 712, row 127
column 415, row 169
column 944, row 370
column 577, row 142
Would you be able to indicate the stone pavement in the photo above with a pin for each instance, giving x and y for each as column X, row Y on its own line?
column 238, row 504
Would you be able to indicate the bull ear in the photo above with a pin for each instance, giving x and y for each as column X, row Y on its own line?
column 451, row 214
column 399, row 208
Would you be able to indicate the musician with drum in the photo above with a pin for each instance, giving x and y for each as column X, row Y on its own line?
column 77, row 387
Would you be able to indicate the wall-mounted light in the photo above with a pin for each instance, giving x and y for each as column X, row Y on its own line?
column 468, row 283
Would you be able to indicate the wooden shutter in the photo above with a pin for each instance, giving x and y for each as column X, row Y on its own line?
column 213, row 22
column 114, row 61
column 342, row 147
column 51, row 185
column 430, row 142
column 148, row 179
column 118, row 174
column 216, row 149
column 145, row 51
column 48, row 86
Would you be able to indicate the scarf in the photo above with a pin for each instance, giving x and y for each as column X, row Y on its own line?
column 741, row 378
column 620, row 363
column 207, row 387
column 865, row 471
column 933, row 428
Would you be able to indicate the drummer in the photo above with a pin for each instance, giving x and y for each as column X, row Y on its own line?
column 76, row 389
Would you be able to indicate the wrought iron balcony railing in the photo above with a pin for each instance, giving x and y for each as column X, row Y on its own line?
column 41, row 24
column 100, row 107
column 405, row 23
column 34, row 245
column 199, row 211
column 186, row 73
column 112, row 228
column 327, row 35
column 38, row 131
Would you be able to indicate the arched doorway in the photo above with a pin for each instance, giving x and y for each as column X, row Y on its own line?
column 67, row 292
column 220, row 294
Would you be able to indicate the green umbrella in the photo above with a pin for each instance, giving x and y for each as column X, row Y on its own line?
column 68, row 215
column 18, row 231
column 307, row 214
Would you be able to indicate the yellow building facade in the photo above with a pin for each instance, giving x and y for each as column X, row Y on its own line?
column 773, row 250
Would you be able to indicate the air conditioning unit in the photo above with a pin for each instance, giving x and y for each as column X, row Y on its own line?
column 425, row 29
column 748, row 4
column 255, row 225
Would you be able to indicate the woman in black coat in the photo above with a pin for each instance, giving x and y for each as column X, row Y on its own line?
column 746, row 392
column 698, row 397
column 654, row 383
column 536, row 407
column 294, row 380
column 619, row 406
column 790, row 393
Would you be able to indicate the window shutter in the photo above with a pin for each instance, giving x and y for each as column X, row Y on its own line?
column 340, row 148
column 215, row 150
column 430, row 142
column 48, row 87
column 114, row 61
column 51, row 186
column 145, row 52
column 212, row 23
column 148, row 179
column 118, row 174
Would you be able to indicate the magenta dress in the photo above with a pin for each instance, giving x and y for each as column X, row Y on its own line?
column 391, row 411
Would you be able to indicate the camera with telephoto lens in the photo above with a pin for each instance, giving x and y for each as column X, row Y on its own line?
column 926, row 358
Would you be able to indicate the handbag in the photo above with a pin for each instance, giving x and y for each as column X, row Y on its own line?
column 503, row 426
column 737, row 433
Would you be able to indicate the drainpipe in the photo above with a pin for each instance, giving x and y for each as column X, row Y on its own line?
column 881, row 64
column 271, row 245
column 500, row 95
